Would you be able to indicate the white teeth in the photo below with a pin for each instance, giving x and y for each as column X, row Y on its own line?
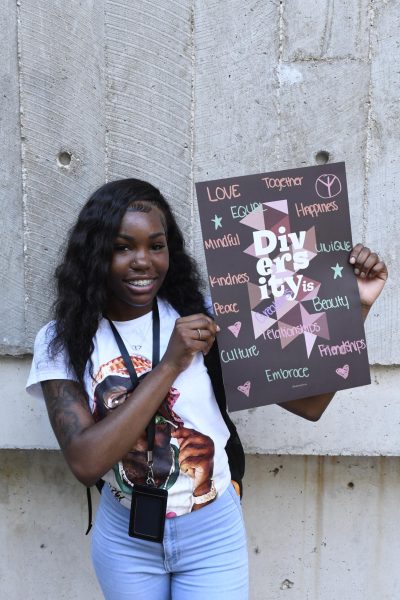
column 141, row 282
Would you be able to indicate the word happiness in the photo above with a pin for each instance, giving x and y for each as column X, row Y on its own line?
column 316, row 209
column 295, row 254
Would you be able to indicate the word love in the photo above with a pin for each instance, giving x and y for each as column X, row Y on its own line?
column 265, row 242
column 219, row 193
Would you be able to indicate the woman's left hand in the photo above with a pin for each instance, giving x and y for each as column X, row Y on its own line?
column 371, row 273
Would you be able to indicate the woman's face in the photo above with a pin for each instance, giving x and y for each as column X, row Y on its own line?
column 138, row 266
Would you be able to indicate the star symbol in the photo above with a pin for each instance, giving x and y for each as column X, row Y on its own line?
column 217, row 221
column 337, row 271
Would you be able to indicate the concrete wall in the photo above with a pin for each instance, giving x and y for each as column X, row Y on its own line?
column 328, row 528
column 174, row 92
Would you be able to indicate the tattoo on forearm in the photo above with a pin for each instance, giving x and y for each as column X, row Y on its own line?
column 63, row 398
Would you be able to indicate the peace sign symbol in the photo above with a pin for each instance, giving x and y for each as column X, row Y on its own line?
column 328, row 186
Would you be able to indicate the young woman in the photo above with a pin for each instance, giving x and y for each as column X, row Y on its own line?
column 125, row 266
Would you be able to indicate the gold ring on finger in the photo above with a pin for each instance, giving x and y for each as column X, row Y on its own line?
column 199, row 334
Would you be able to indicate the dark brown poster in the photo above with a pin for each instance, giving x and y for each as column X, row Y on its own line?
column 283, row 292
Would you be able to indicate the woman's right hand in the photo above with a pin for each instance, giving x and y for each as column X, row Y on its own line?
column 192, row 334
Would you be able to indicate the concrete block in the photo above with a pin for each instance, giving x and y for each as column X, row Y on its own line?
column 382, row 210
column 25, row 423
column 43, row 519
column 63, row 149
column 323, row 107
column 362, row 421
column 149, row 97
column 327, row 30
column 236, row 108
column 12, row 296
column 322, row 527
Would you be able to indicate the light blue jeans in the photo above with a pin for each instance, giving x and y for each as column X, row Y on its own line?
column 203, row 556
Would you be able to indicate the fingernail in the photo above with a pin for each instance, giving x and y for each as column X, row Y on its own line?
column 356, row 271
column 352, row 260
column 363, row 275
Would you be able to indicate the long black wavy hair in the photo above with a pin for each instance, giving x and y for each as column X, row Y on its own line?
column 81, row 277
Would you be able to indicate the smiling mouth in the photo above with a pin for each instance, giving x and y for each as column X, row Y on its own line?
column 140, row 283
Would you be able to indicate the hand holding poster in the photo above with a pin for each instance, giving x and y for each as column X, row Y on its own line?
column 284, row 295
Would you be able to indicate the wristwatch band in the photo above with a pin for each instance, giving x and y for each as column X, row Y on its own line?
column 206, row 497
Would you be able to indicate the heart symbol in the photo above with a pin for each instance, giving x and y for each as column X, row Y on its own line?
column 343, row 371
column 235, row 328
column 245, row 388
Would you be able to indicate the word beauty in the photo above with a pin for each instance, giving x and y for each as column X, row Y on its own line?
column 265, row 242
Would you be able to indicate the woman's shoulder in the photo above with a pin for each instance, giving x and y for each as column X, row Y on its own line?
column 45, row 335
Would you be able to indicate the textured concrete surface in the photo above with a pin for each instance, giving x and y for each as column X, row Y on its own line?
column 362, row 421
column 61, row 71
column 12, row 313
column 318, row 528
column 175, row 92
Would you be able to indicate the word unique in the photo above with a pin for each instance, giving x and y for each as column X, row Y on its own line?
column 314, row 210
column 299, row 372
column 334, row 246
column 235, row 279
column 282, row 182
column 328, row 303
column 265, row 242
column 225, row 309
column 239, row 353
column 241, row 211
column 222, row 193
column 226, row 241
column 345, row 347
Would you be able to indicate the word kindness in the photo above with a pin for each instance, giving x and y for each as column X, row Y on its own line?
column 229, row 279
column 265, row 242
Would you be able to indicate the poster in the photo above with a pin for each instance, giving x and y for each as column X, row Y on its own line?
column 283, row 292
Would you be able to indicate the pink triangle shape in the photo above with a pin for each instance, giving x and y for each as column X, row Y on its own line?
column 309, row 339
column 261, row 323
column 254, row 219
column 280, row 205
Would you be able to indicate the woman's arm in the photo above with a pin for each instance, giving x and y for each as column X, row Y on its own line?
column 371, row 275
column 91, row 448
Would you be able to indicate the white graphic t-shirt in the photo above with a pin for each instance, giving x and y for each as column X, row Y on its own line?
column 190, row 435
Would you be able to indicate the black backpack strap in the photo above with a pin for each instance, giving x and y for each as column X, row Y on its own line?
column 234, row 448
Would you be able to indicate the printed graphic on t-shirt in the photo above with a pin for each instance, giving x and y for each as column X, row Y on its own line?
column 179, row 451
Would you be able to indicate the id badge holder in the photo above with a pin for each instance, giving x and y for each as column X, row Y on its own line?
column 147, row 519
column 148, row 509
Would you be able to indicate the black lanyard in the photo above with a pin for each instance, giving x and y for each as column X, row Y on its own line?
column 151, row 428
